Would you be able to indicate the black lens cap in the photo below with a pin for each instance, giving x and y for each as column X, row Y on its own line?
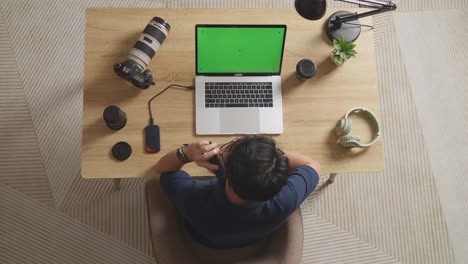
column 121, row 150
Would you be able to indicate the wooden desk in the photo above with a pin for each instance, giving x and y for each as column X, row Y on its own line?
column 311, row 108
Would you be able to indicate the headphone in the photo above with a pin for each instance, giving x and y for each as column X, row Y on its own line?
column 343, row 127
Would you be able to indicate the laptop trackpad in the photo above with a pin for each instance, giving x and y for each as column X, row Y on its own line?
column 239, row 120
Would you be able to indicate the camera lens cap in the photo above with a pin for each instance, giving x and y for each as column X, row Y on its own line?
column 121, row 151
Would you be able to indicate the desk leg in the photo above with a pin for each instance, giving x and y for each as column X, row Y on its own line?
column 116, row 183
column 331, row 179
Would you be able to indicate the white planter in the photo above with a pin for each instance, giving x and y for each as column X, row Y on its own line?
column 335, row 61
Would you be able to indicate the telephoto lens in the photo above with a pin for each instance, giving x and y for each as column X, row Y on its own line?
column 149, row 42
column 143, row 51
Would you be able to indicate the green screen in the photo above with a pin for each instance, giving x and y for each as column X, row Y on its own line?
column 239, row 49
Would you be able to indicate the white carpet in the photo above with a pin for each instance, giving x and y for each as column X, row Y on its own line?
column 434, row 47
column 390, row 217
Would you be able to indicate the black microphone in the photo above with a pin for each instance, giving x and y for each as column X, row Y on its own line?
column 152, row 140
column 311, row 9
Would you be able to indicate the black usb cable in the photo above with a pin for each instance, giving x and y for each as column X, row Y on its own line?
column 152, row 138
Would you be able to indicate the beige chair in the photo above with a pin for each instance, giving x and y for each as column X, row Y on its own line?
column 173, row 245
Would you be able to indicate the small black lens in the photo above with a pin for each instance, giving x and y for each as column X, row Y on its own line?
column 305, row 69
column 115, row 118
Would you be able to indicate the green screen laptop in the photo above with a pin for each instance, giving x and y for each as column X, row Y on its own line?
column 238, row 84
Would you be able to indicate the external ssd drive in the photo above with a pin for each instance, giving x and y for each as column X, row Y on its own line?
column 152, row 140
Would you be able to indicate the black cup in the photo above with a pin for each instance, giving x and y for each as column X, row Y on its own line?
column 305, row 69
column 115, row 118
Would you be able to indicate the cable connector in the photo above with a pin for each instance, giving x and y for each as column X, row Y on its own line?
column 151, row 121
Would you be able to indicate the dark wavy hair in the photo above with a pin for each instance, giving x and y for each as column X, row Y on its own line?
column 256, row 168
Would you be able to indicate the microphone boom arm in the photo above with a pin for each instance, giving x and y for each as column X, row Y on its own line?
column 380, row 5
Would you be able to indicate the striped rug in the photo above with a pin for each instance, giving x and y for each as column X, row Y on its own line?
column 48, row 214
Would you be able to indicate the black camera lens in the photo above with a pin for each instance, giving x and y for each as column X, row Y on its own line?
column 115, row 118
column 305, row 69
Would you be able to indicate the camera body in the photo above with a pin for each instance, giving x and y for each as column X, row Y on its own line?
column 139, row 57
column 130, row 71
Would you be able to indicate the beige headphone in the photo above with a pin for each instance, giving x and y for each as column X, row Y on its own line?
column 343, row 127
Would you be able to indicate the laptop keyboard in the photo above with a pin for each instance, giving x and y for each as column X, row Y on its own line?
column 238, row 94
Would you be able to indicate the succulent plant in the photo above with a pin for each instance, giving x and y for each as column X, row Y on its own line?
column 343, row 50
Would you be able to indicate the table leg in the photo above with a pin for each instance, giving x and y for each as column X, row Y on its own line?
column 331, row 179
column 116, row 183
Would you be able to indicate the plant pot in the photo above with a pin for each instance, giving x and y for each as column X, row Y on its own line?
column 336, row 61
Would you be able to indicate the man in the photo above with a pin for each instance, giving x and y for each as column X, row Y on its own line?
column 257, row 187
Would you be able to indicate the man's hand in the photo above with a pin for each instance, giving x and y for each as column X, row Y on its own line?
column 201, row 152
column 297, row 160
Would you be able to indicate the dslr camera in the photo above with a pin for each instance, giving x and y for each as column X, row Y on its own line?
column 133, row 69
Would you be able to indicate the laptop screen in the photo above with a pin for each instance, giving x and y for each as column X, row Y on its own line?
column 239, row 49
